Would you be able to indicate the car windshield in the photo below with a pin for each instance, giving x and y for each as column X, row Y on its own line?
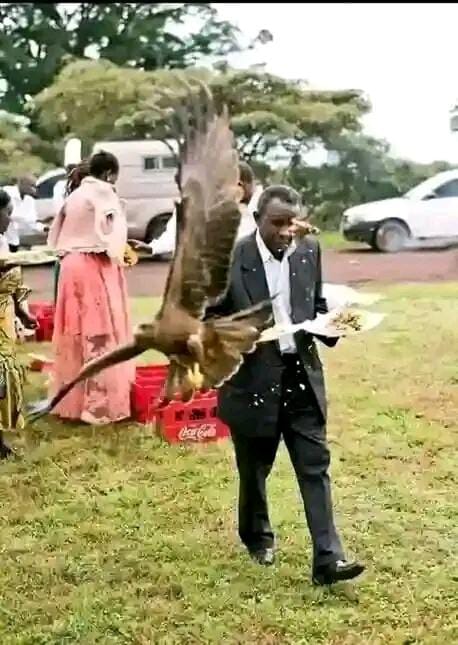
column 418, row 192
column 428, row 186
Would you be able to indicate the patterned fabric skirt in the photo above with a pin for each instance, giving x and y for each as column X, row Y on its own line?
column 92, row 318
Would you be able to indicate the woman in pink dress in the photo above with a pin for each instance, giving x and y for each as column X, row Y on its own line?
column 92, row 312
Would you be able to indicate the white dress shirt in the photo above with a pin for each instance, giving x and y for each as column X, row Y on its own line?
column 165, row 244
column 23, row 217
column 247, row 222
column 278, row 282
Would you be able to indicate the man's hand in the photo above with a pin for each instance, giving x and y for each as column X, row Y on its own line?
column 137, row 245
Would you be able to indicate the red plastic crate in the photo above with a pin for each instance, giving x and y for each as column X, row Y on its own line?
column 147, row 390
column 45, row 328
column 194, row 422
column 44, row 313
column 41, row 309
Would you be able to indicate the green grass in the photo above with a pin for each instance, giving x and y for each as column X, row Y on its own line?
column 335, row 241
column 110, row 536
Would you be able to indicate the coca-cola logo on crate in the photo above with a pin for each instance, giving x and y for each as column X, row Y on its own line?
column 197, row 433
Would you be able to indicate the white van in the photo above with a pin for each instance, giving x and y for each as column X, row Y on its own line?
column 146, row 184
column 426, row 214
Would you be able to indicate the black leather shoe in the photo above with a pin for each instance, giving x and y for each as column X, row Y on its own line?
column 266, row 557
column 337, row 571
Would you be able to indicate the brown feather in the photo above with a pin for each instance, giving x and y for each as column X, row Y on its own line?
column 209, row 210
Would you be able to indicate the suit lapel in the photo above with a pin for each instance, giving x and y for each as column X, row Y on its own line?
column 253, row 274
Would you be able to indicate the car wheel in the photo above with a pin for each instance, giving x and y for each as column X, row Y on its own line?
column 391, row 237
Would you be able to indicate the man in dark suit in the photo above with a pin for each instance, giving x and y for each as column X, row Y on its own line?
column 279, row 390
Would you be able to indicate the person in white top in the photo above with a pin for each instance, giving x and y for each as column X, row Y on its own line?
column 165, row 244
column 249, row 202
column 24, row 216
column 60, row 188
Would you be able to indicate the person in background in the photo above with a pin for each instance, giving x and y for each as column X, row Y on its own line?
column 165, row 244
column 24, row 215
column 76, row 174
column 248, row 204
column 60, row 190
column 12, row 297
column 279, row 390
column 92, row 308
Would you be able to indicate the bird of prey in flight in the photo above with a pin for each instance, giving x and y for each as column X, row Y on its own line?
column 202, row 352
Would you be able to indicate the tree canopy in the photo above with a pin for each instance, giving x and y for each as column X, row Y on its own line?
column 20, row 150
column 364, row 171
column 97, row 100
column 37, row 39
column 266, row 111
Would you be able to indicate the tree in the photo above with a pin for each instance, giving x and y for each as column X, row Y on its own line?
column 97, row 99
column 38, row 39
column 365, row 171
column 87, row 98
column 20, row 150
column 267, row 111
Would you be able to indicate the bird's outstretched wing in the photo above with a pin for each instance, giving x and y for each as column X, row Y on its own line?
column 118, row 355
column 208, row 215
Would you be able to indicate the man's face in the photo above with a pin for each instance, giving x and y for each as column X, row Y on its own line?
column 277, row 225
column 27, row 185
column 5, row 217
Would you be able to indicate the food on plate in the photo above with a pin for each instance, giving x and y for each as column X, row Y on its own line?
column 130, row 257
column 344, row 320
column 337, row 323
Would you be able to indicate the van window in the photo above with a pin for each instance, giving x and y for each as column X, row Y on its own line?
column 151, row 163
column 158, row 163
column 449, row 189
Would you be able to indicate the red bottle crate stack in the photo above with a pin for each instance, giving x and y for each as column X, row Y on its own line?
column 195, row 421
column 44, row 313
column 147, row 391
column 178, row 422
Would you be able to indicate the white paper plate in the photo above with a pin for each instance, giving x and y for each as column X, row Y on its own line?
column 322, row 325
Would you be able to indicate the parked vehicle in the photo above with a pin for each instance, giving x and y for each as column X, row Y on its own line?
column 426, row 214
column 146, row 184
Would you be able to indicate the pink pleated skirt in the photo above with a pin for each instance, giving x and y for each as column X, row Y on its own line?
column 92, row 318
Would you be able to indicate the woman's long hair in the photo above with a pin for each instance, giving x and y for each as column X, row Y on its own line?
column 98, row 165
column 76, row 176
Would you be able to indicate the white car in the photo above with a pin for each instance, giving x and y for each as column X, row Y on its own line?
column 426, row 214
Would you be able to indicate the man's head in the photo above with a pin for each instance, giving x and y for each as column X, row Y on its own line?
column 6, row 208
column 246, row 181
column 278, row 208
column 27, row 185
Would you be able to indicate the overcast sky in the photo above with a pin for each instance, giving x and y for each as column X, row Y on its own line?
column 401, row 55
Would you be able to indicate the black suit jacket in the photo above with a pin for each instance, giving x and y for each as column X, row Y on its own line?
column 250, row 402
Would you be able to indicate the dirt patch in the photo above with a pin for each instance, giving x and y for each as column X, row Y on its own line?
column 148, row 278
